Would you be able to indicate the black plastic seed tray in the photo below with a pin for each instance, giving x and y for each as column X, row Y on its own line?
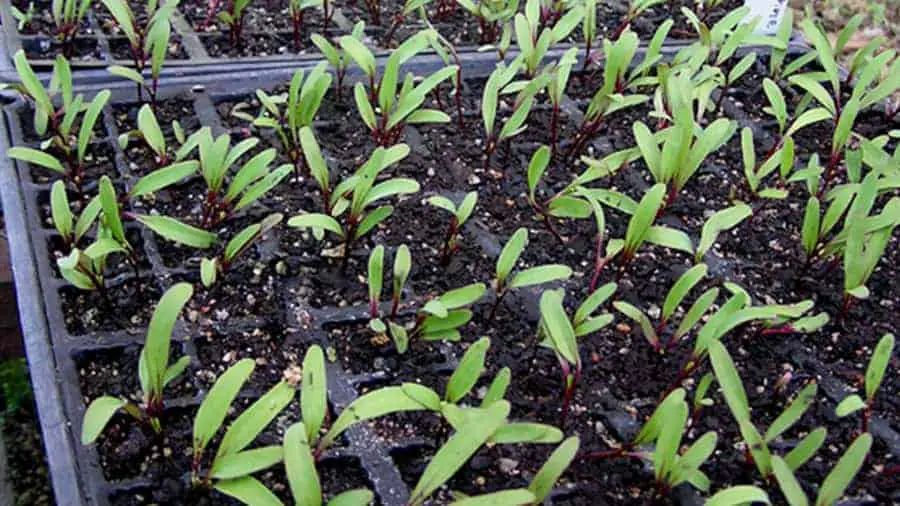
column 63, row 350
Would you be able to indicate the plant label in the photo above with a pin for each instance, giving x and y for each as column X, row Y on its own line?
column 769, row 12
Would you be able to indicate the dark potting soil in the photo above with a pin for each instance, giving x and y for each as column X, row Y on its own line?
column 80, row 48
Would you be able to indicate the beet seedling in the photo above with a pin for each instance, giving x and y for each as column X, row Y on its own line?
column 685, row 146
column 230, row 469
column 234, row 19
column 635, row 9
column 149, row 131
column 720, row 221
column 534, row 41
column 494, row 17
column 559, row 333
column 351, row 198
column 67, row 17
column 409, row 8
column 47, row 117
column 155, row 371
column 398, row 106
column 460, row 214
column 72, row 167
column 297, row 8
column 501, row 82
column 878, row 364
column 439, row 319
column 506, row 263
column 211, row 268
column 287, row 114
column 150, row 40
column 336, row 56
column 252, row 181
column 777, row 68
column 682, row 287
column 70, row 229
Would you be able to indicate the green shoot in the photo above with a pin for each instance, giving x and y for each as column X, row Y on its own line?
column 211, row 268
column 506, row 264
column 460, row 214
column 878, row 364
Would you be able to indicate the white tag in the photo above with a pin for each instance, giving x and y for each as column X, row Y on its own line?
column 769, row 13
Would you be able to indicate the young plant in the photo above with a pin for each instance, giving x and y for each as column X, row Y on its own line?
column 588, row 29
column 534, row 41
column 350, row 200
column 23, row 18
column 70, row 229
column 635, row 9
column 211, row 268
column 835, row 484
column 410, row 7
column 287, row 114
column 336, row 56
column 155, row 372
column 234, row 18
column 149, row 131
column 720, row 221
column 229, row 470
column 68, row 16
column 459, row 448
column 777, row 68
column 252, row 181
column 72, row 168
column 878, row 364
column 611, row 96
column 399, row 103
column 439, row 319
column 682, row 287
column 297, row 8
column 460, row 214
column 506, row 263
column 757, row 445
column 556, row 89
column 684, row 146
column 148, row 40
column 501, row 82
column 559, row 333
column 869, row 89
column 47, row 117
column 493, row 16
column 641, row 229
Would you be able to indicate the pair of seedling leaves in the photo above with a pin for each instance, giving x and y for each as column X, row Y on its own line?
column 151, row 39
column 783, row 468
column 864, row 237
column 60, row 121
column 770, row 315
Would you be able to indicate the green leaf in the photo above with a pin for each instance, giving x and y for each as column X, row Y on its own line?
column 376, row 272
column 540, row 275
column 792, row 413
column 374, row 404
column 558, row 327
column 524, row 432
column 805, row 449
column 510, row 254
column 88, row 216
column 878, row 364
column 640, row 318
column 849, row 405
column 126, row 73
column 62, row 216
column 466, row 207
column 88, row 120
column 163, row 178
column 314, row 391
column 263, row 186
column 650, row 430
column 726, row 219
column 458, row 449
column 248, row 490
column 844, row 471
column 155, row 353
column 315, row 220
column 497, row 390
column 300, row 467
column 245, row 463
column 729, row 380
column 373, row 219
column 643, row 217
column 214, row 408
column 810, row 230
column 738, row 495
column 788, row 483
column 355, row 497
column 669, row 440
column 110, row 204
column 468, row 371
column 593, row 301
column 150, row 130
column 539, row 161
column 515, row 497
column 35, row 157
column 359, row 53
column 98, row 414
column 669, row 238
column 178, row 232
column 559, row 460
column 423, row 395
column 254, row 419
column 682, row 287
